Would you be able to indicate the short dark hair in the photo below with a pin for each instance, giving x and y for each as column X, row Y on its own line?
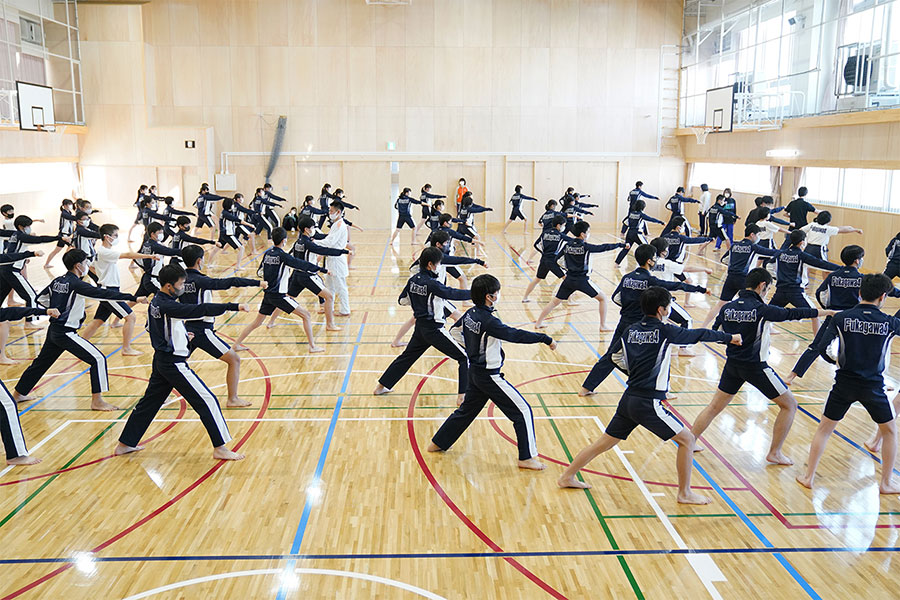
column 558, row 220
column 482, row 286
column 305, row 223
column 6, row 208
column 154, row 227
column 661, row 245
column 191, row 254
column 797, row 236
column 108, row 229
column 751, row 229
column 278, row 235
column 580, row 227
column 678, row 222
column 874, row 286
column 679, row 190
column 445, row 218
column 851, row 253
column 704, row 187
column 639, row 205
column 643, row 253
column 757, row 276
column 170, row 274
column 767, row 200
column 758, row 201
column 802, row 191
column 227, row 203
column 653, row 298
column 79, row 215
column 73, row 257
column 430, row 255
column 438, row 237
column 823, row 218
column 638, row 183
column 183, row 220
column 22, row 221
column 338, row 205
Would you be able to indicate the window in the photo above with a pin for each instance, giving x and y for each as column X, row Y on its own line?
column 872, row 189
column 750, row 179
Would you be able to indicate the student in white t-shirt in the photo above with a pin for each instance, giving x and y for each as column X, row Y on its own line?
column 819, row 232
column 107, row 269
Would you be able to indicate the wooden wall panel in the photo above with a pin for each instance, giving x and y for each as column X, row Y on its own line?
column 367, row 185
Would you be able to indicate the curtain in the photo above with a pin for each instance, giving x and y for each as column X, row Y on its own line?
column 774, row 181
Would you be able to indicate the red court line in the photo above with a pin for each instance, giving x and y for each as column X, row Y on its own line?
column 759, row 496
column 161, row 509
column 411, row 430
column 182, row 409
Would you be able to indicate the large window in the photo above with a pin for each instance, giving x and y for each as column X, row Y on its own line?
column 789, row 58
column 873, row 189
column 750, row 179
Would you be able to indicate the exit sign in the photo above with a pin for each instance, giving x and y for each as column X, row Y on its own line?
column 190, row 144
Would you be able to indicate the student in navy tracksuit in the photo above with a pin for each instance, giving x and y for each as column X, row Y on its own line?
column 546, row 222
column 67, row 222
column 577, row 254
column 751, row 317
column 838, row 291
column 676, row 205
column 791, row 277
column 426, row 296
column 864, row 334
column 467, row 211
column 67, row 294
column 204, row 204
column 742, row 257
column 645, row 354
column 516, row 212
column 717, row 216
column 10, row 427
column 275, row 268
column 426, row 199
column 166, row 324
column 404, row 214
column 11, row 278
column 549, row 244
column 201, row 330
column 678, row 240
column 628, row 296
column 636, row 194
column 892, row 252
column 574, row 211
column 444, row 225
column 325, row 200
column 152, row 245
column 634, row 226
column 482, row 334
column 181, row 238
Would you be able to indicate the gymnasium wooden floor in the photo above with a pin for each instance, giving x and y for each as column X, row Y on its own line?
column 336, row 498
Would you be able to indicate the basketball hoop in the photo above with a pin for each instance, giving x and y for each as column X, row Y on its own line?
column 702, row 132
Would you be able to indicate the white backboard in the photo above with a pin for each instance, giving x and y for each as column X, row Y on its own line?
column 35, row 106
column 720, row 109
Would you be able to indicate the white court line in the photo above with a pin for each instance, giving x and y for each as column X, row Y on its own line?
column 36, row 446
column 290, row 580
column 703, row 564
column 316, row 419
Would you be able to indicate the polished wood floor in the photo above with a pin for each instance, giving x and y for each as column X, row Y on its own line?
column 337, row 498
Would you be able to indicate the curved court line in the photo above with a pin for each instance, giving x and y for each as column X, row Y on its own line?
column 162, row 508
column 301, row 571
column 411, row 432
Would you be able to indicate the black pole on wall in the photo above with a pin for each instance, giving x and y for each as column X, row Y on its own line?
column 280, row 130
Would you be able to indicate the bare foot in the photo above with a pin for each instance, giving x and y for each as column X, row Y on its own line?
column 321, row 311
column 778, row 458
column 237, row 402
column 607, row 328
column 123, row 449
column 316, row 349
column 572, row 482
column 532, row 464
column 586, row 392
column 117, row 325
column 30, row 325
column 399, row 344
column 22, row 461
column 19, row 398
column 240, row 348
column 539, row 326
column 873, row 445
column 342, row 314
column 270, row 324
column 693, row 498
column 789, row 380
column 381, row 390
column 805, row 481
column 131, row 352
column 890, row 488
column 671, row 397
column 459, row 399
column 6, row 360
column 698, row 447
column 526, row 299
column 432, row 447
column 102, row 405
column 333, row 328
column 223, row 453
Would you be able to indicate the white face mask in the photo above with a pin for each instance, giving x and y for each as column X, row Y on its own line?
column 114, row 241
column 28, row 230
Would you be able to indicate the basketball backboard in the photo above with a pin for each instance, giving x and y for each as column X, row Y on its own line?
column 35, row 107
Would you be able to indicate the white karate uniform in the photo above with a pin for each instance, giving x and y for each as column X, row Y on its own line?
column 338, row 270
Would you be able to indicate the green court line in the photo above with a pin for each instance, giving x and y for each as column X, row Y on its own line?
column 595, row 507
column 43, row 486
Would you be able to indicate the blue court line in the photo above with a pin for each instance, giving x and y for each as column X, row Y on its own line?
column 75, row 377
column 518, row 266
column 414, row 555
column 746, row 520
column 380, row 265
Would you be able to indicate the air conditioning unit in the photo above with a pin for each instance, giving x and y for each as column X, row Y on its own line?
column 31, row 31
